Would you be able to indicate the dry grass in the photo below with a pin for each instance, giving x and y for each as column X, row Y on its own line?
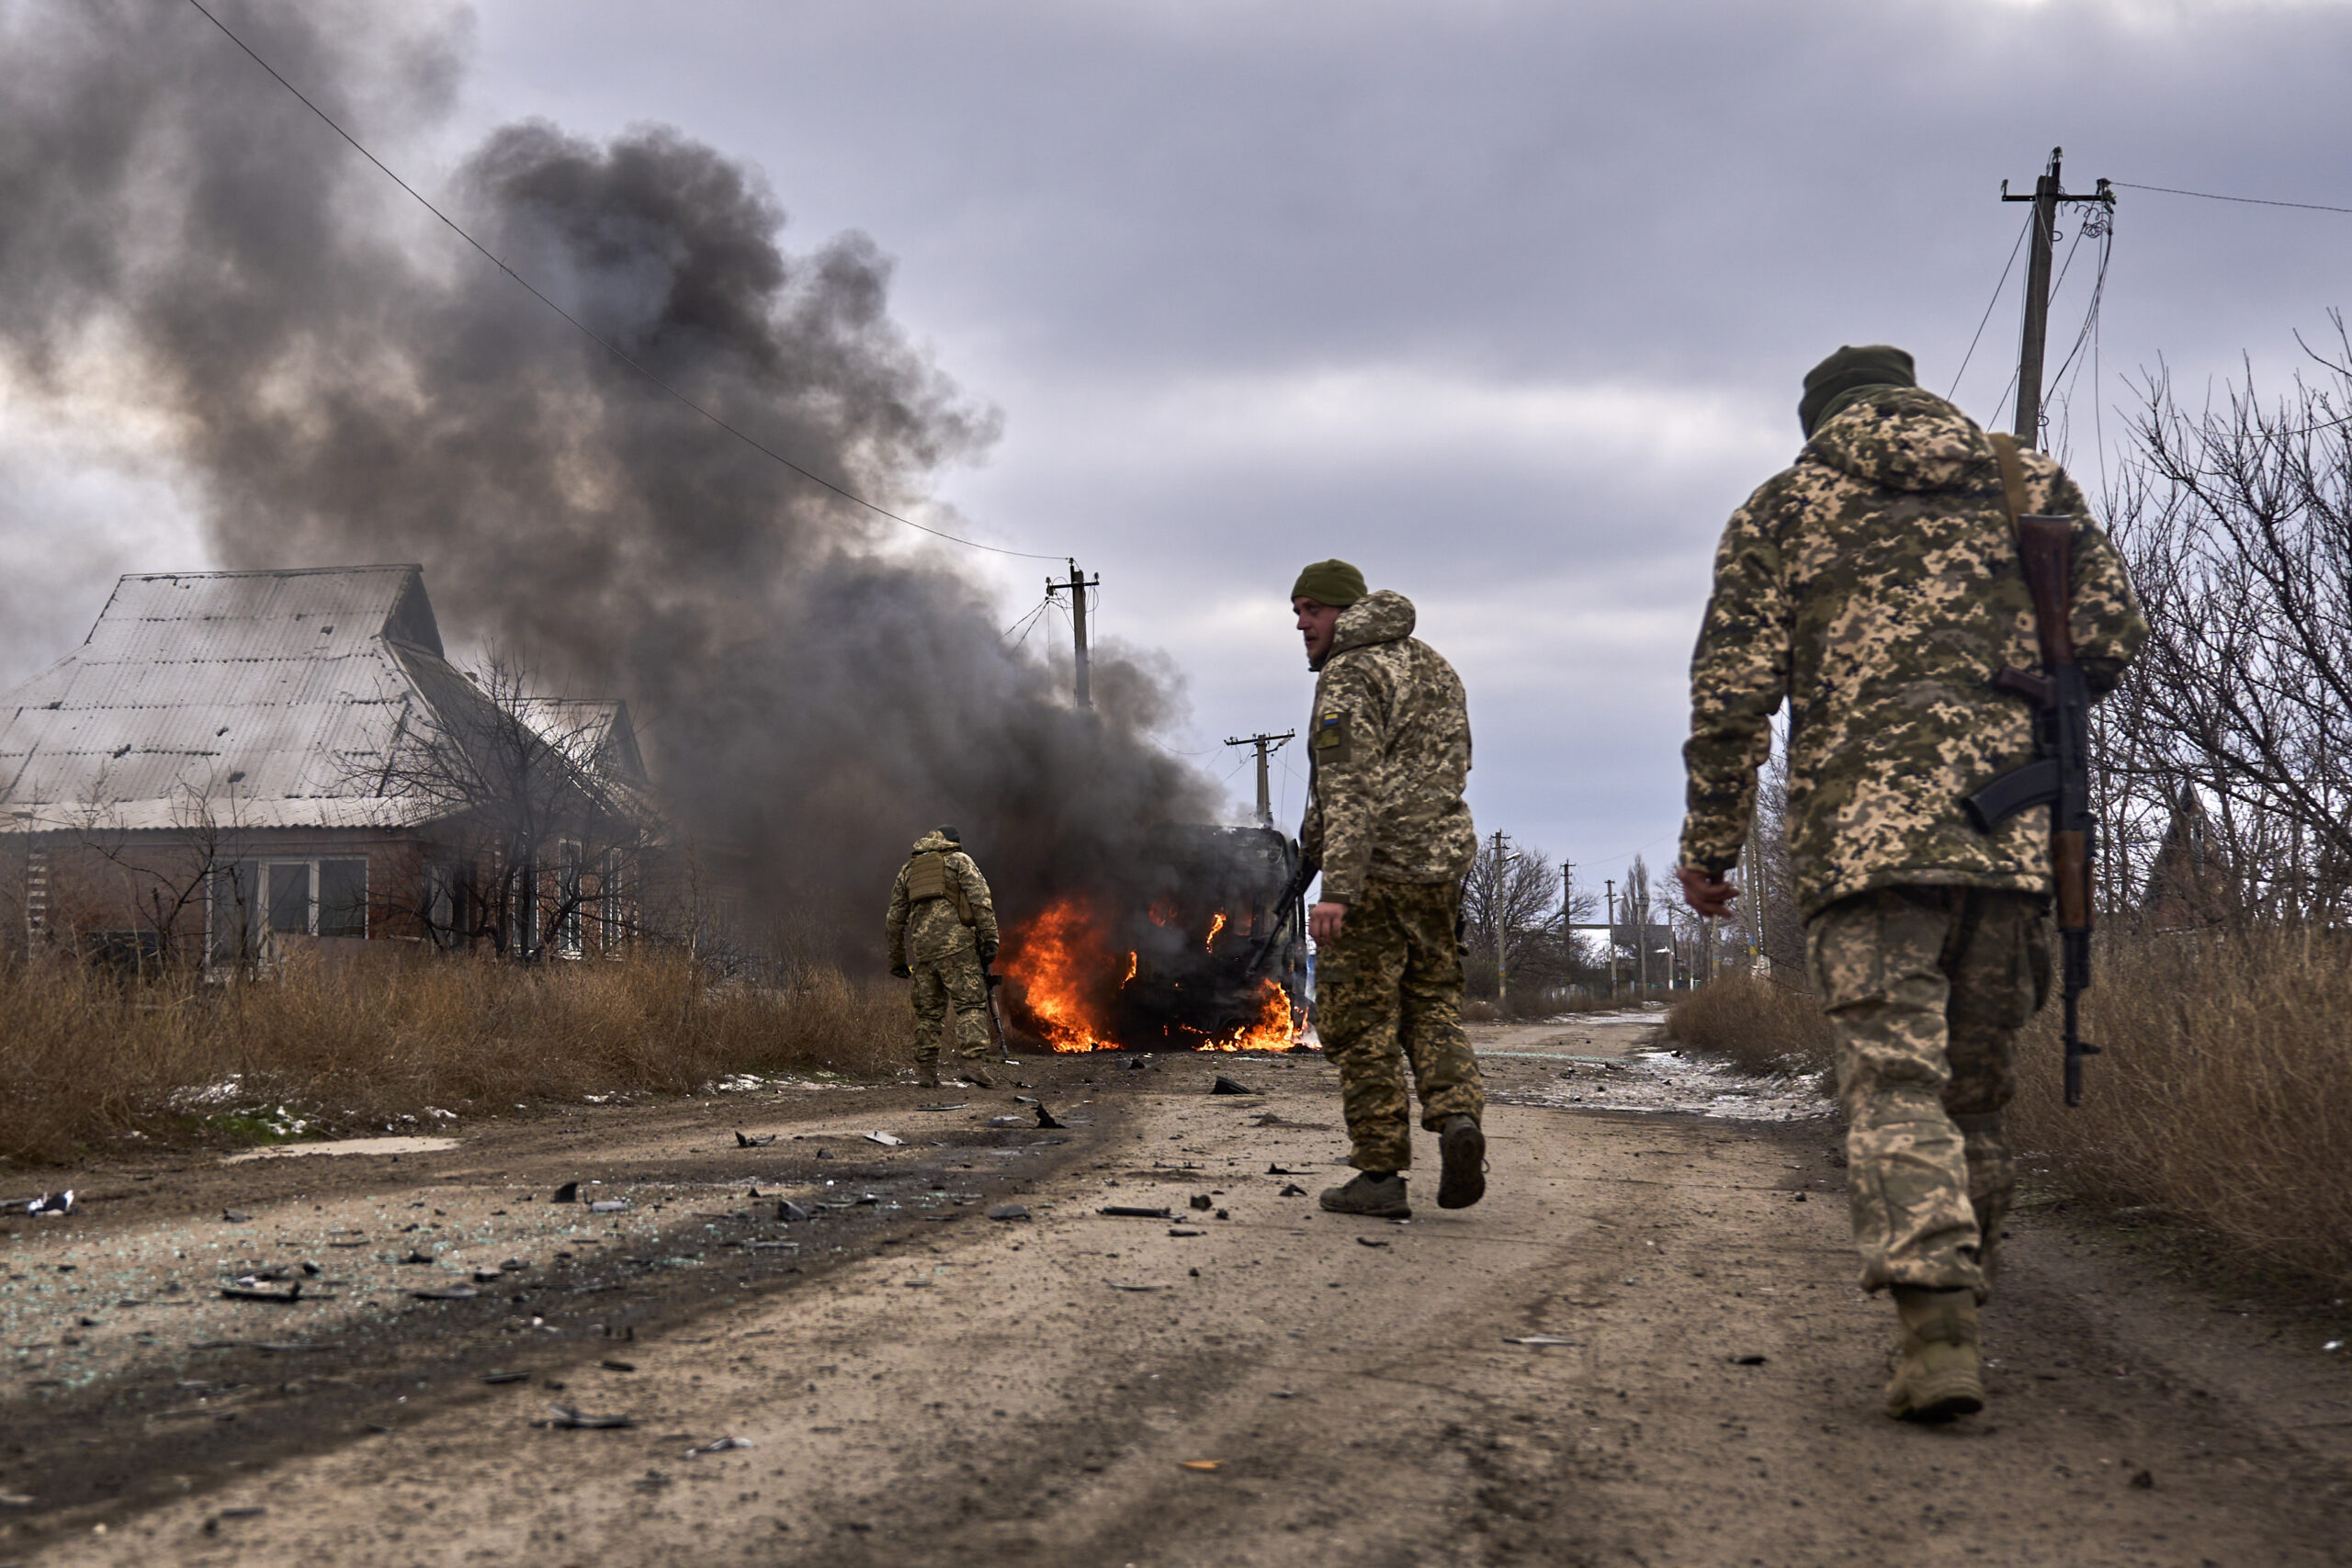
column 86, row 1058
column 2223, row 1100
column 1754, row 1024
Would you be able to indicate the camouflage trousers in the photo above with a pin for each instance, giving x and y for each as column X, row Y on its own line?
column 1388, row 990
column 954, row 982
column 1927, row 988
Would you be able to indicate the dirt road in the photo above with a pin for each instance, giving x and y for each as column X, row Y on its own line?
column 1251, row 1382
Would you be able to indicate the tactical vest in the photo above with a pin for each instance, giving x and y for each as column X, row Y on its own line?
column 927, row 878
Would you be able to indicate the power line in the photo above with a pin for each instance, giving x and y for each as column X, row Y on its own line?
column 589, row 332
column 2005, row 269
column 2248, row 200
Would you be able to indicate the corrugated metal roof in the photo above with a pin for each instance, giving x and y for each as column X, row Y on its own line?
column 268, row 699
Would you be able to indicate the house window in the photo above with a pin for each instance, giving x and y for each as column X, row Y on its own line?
column 342, row 898
column 609, row 900
column 253, row 899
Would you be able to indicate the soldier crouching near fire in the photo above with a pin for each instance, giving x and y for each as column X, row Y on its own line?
column 1876, row 584
column 943, row 937
column 1389, row 748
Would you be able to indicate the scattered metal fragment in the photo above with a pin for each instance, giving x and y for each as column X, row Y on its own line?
column 1046, row 1118
column 285, row 1348
column 49, row 1205
column 788, row 1211
column 720, row 1445
column 230, row 1217
column 1749, row 1359
column 1227, row 1085
column 1539, row 1339
column 1204, row 1464
column 488, row 1276
column 1138, row 1065
column 292, row 1292
column 1009, row 1211
column 1291, row 1190
column 1280, row 1170
column 1116, row 1286
column 1135, row 1212
column 1204, row 1201
column 418, row 1257
column 760, row 1141
column 1372, row 1241
column 1026, row 1100
column 866, row 1198
column 567, row 1193
column 608, row 1205
column 610, row 1365
column 1008, row 1121
column 506, row 1377
column 1185, row 1230
column 563, row 1415
column 18, row 1500
column 447, row 1293
column 958, row 1105
column 2143, row 1480
column 888, row 1140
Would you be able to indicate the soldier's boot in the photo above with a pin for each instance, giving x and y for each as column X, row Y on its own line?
column 1461, row 1149
column 971, row 1072
column 1940, row 1375
column 1380, row 1197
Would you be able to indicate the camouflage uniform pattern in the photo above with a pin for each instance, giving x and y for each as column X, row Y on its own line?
column 1388, row 991
column 1388, row 746
column 929, row 937
column 1875, row 585
column 1927, row 988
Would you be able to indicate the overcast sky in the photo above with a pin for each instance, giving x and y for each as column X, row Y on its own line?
column 1506, row 302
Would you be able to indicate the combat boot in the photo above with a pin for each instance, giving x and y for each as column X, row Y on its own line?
column 1380, row 1197
column 971, row 1072
column 1940, row 1375
column 1462, row 1148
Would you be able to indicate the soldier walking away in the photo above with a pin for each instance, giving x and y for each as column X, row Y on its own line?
column 1876, row 585
column 1389, row 750
column 943, row 937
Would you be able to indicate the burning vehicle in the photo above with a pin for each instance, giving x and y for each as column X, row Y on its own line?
column 1167, row 963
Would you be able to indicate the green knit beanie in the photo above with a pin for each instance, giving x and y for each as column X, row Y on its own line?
column 1848, row 371
column 1332, row 582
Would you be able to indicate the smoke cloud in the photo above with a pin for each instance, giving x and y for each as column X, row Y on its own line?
column 349, row 384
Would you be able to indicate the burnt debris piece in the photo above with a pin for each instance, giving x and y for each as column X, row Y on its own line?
column 1137, row 1212
column 1227, row 1085
column 563, row 1415
column 567, row 1193
column 748, row 1141
column 1046, row 1118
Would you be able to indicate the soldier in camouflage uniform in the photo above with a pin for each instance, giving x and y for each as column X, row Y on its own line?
column 1875, row 585
column 943, row 936
column 1389, row 748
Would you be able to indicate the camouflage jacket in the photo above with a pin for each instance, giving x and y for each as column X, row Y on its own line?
column 1875, row 585
column 925, row 931
column 1389, row 749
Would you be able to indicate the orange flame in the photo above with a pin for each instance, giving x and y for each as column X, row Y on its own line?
column 1131, row 970
column 1066, row 980
column 1214, row 926
column 1274, row 1029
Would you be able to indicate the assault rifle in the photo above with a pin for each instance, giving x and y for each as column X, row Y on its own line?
column 2060, row 774
column 994, row 980
column 1286, row 909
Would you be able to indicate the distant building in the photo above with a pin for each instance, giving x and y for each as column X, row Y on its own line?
column 244, row 764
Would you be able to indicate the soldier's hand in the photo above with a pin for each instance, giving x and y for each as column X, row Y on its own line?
column 1323, row 921
column 987, row 953
column 1709, row 892
column 901, row 971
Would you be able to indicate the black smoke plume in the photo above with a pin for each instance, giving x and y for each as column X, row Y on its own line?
column 347, row 383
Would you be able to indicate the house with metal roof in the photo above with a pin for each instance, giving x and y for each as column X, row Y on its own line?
column 247, row 762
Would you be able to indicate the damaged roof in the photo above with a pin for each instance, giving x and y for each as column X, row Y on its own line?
column 258, row 699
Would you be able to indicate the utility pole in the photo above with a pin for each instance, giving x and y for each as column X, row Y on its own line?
column 2049, row 192
column 1267, row 746
column 1567, row 922
column 1076, row 587
column 1502, row 926
column 1613, row 937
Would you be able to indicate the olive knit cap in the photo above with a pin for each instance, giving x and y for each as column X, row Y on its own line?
column 1332, row 582
column 949, row 834
column 1850, row 370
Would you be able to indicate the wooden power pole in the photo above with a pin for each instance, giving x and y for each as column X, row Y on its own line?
column 1076, row 587
column 2049, row 193
column 1267, row 746
column 1612, row 883
column 1502, row 924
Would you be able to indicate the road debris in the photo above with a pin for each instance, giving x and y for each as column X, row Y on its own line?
column 1291, row 1190
column 1745, row 1359
column 609, row 1206
column 1008, row 1121
column 564, row 1416
column 2144, row 1481
column 1186, row 1229
column 1539, row 1339
column 957, row 1105
column 567, row 1193
column 888, row 1140
column 1372, row 1241
column 241, row 1293
column 1204, row 1201
column 610, row 1365
column 1282, row 1170
column 496, row 1378
column 1202, row 1464
column 746, row 1141
column 1116, row 1286
column 1009, row 1211
column 720, row 1445
column 230, row 1217
column 789, row 1212
column 18, row 1500
column 447, row 1293
column 1227, row 1085
column 1135, row 1212
column 1046, row 1118
column 50, row 1205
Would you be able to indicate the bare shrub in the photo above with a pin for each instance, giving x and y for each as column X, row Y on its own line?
column 1754, row 1024
column 2223, row 1097
column 352, row 1047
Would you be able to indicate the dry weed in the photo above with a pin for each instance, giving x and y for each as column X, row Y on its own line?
column 87, row 1057
column 2222, row 1098
column 1754, row 1024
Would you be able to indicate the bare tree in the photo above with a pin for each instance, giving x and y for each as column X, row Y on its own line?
column 2237, row 526
column 1514, row 893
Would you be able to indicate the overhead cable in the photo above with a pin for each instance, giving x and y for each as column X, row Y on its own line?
column 590, row 332
column 2248, row 200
